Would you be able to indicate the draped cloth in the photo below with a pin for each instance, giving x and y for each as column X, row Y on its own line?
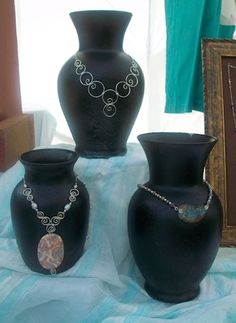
column 187, row 22
column 105, row 284
column 228, row 12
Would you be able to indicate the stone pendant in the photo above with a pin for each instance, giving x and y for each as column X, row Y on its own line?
column 191, row 213
column 50, row 251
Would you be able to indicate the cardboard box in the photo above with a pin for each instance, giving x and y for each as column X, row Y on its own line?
column 16, row 137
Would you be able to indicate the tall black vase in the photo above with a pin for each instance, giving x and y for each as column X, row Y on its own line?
column 175, row 250
column 101, row 87
column 50, row 176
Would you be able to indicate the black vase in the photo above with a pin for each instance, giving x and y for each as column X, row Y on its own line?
column 50, row 242
column 100, row 88
column 175, row 219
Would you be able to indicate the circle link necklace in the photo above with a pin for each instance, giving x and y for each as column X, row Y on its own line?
column 97, row 89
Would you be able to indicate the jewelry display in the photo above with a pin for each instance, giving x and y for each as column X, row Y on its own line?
column 97, row 89
column 50, row 250
column 229, row 71
column 187, row 213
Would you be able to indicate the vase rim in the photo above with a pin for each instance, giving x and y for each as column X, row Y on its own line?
column 176, row 138
column 49, row 157
column 104, row 12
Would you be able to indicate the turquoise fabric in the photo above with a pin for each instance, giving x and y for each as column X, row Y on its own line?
column 105, row 284
column 187, row 22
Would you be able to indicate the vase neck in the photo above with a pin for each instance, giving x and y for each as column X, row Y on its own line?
column 181, row 173
column 52, row 175
column 177, row 164
column 48, row 166
column 100, row 30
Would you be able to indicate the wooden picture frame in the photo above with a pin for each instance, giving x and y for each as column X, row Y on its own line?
column 219, row 75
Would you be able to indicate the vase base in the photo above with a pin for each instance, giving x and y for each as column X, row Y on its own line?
column 172, row 298
column 100, row 154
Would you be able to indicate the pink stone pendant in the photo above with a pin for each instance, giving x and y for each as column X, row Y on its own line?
column 50, row 251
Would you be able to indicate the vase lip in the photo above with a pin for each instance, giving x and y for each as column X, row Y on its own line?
column 49, row 157
column 103, row 12
column 176, row 138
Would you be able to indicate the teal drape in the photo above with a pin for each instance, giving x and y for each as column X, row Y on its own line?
column 186, row 23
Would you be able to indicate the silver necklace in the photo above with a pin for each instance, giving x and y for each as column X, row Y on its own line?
column 231, row 67
column 50, row 249
column 187, row 213
column 97, row 89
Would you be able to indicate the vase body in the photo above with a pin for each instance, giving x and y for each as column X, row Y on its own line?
column 49, row 174
column 173, row 254
column 100, row 88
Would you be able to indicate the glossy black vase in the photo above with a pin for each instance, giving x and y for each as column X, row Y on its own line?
column 50, row 176
column 100, row 88
column 174, row 251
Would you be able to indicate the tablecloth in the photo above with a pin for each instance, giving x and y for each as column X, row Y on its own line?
column 105, row 284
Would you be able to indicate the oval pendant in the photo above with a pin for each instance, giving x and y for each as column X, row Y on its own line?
column 50, row 251
column 190, row 213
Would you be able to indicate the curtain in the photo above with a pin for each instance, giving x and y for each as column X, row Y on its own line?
column 228, row 12
column 158, row 119
column 186, row 23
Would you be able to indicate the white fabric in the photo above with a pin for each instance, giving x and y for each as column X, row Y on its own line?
column 44, row 127
column 228, row 12
column 104, row 286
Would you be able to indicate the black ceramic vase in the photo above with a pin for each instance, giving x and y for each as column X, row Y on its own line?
column 175, row 219
column 100, row 88
column 50, row 211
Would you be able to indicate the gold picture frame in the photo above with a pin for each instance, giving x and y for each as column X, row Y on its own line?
column 219, row 76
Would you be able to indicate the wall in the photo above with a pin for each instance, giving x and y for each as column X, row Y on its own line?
column 10, row 101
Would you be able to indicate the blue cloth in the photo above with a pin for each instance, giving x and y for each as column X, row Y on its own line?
column 105, row 284
column 187, row 22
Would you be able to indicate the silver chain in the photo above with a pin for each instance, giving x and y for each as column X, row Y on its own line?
column 51, row 223
column 230, row 67
column 171, row 204
column 97, row 89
